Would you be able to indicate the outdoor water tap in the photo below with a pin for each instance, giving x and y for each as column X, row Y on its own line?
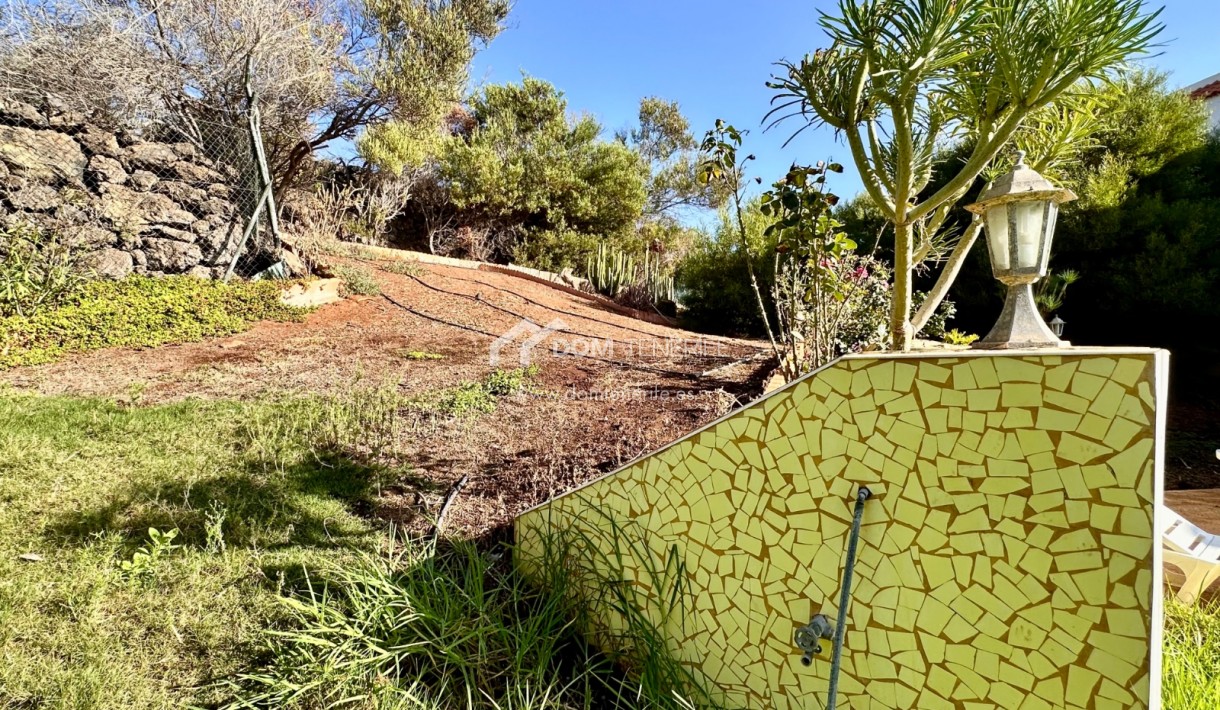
column 809, row 637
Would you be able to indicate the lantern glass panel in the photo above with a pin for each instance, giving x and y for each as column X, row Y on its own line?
column 1051, row 218
column 997, row 237
column 1028, row 219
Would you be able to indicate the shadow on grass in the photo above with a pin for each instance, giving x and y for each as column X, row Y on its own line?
column 320, row 502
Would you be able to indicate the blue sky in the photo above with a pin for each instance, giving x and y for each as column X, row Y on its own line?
column 713, row 57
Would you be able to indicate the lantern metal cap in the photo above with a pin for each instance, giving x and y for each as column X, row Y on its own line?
column 1021, row 184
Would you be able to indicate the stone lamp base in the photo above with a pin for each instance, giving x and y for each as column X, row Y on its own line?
column 1020, row 325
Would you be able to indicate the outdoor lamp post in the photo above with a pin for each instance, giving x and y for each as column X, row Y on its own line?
column 1057, row 324
column 1019, row 211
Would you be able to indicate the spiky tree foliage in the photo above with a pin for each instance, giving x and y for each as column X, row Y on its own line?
column 904, row 77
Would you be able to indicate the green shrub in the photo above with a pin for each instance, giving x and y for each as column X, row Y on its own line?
column 469, row 398
column 139, row 311
column 358, row 280
column 37, row 270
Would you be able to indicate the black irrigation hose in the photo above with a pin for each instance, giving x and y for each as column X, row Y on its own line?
column 531, row 301
column 566, row 331
column 617, row 363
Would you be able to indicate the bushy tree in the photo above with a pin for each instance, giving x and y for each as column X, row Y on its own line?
column 902, row 78
column 1145, row 233
column 523, row 166
column 323, row 70
column 712, row 280
column 664, row 142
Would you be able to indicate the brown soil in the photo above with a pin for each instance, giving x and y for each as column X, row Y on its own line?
column 641, row 386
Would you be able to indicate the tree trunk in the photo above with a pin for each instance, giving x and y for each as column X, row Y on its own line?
column 948, row 275
column 900, row 321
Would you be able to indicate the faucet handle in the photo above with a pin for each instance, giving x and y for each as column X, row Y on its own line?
column 809, row 636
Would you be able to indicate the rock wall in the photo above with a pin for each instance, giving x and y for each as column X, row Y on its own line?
column 134, row 206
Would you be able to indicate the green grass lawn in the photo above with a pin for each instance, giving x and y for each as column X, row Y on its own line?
column 268, row 501
column 82, row 481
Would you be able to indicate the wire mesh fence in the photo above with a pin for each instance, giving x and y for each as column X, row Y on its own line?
column 174, row 192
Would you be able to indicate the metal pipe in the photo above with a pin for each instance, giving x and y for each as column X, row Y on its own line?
column 845, row 595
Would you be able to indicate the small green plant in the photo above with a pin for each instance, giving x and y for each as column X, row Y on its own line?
column 402, row 268
column 957, row 337
column 38, row 270
column 214, row 527
column 478, row 397
column 143, row 562
column 1050, row 291
column 422, row 355
column 358, row 280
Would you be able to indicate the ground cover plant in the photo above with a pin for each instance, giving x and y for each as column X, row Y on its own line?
column 139, row 311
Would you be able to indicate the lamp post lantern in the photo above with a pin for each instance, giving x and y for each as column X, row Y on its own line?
column 1057, row 324
column 1019, row 212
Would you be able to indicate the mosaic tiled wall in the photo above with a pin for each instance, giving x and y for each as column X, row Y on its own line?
column 1007, row 560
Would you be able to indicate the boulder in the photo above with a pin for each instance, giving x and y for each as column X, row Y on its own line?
column 34, row 198
column 128, row 209
column 95, row 141
column 169, row 256
column 181, row 193
column 162, row 231
column 111, row 263
column 197, row 174
column 293, row 263
column 106, row 169
column 44, row 156
column 154, row 157
column 187, row 151
column 218, row 208
column 220, row 191
column 143, row 180
column 18, row 113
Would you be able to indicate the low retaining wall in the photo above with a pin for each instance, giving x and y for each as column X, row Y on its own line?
column 1009, row 558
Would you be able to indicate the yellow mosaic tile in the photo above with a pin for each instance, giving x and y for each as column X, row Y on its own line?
column 1006, row 561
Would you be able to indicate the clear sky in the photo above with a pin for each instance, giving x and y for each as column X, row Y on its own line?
column 714, row 56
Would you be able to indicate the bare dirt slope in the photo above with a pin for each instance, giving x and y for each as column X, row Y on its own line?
column 609, row 388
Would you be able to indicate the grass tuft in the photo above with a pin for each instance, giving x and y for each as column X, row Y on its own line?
column 1191, row 658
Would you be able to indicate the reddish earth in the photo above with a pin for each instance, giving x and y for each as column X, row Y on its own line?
column 638, row 386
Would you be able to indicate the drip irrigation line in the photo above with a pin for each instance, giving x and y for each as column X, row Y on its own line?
column 522, row 316
column 608, row 361
column 531, row 301
column 539, row 304
column 478, row 299
column 452, row 496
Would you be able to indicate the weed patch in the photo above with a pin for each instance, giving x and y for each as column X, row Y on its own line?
column 358, row 280
column 477, row 397
column 402, row 268
column 139, row 311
